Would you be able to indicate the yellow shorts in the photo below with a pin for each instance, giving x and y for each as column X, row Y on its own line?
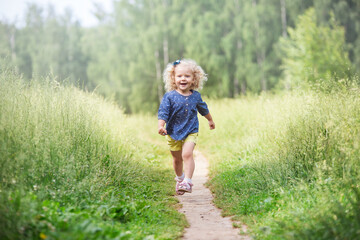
column 176, row 145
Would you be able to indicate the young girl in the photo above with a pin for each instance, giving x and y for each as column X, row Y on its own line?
column 178, row 110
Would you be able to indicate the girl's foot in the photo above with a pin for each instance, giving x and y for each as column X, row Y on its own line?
column 185, row 187
column 177, row 189
column 178, row 181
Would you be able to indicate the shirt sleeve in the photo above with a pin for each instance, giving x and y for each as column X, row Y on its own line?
column 202, row 107
column 164, row 109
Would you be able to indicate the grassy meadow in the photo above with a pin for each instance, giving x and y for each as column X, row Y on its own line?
column 73, row 166
column 288, row 165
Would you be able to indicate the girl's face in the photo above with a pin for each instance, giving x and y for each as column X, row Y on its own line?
column 184, row 79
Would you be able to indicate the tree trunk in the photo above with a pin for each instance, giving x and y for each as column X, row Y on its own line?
column 236, row 87
column 236, row 90
column 236, row 80
column 166, row 50
column 284, row 31
column 283, row 18
column 158, row 76
column 243, row 87
column 260, row 55
column 165, row 40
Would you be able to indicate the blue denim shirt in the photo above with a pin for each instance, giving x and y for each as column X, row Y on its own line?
column 180, row 113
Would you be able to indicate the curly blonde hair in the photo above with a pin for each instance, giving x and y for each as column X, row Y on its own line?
column 169, row 74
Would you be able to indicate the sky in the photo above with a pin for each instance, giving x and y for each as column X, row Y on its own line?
column 13, row 10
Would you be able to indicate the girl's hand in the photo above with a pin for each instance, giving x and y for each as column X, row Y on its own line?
column 162, row 131
column 211, row 124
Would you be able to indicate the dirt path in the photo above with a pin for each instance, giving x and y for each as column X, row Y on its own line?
column 204, row 218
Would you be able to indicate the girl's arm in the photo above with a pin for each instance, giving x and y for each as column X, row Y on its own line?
column 211, row 122
column 161, row 129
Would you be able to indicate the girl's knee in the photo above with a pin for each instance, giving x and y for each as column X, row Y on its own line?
column 177, row 156
column 187, row 155
column 177, row 159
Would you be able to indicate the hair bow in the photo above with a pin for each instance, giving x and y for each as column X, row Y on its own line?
column 176, row 62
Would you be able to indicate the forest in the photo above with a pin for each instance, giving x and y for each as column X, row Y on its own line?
column 246, row 47
column 80, row 156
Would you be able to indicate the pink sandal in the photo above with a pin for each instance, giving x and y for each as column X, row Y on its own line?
column 177, row 189
column 185, row 187
column 178, row 181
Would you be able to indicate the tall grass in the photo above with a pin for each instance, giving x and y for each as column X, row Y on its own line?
column 72, row 166
column 289, row 165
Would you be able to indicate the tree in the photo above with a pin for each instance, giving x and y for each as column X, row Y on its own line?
column 347, row 14
column 315, row 54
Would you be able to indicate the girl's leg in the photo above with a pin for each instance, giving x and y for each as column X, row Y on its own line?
column 177, row 162
column 187, row 156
